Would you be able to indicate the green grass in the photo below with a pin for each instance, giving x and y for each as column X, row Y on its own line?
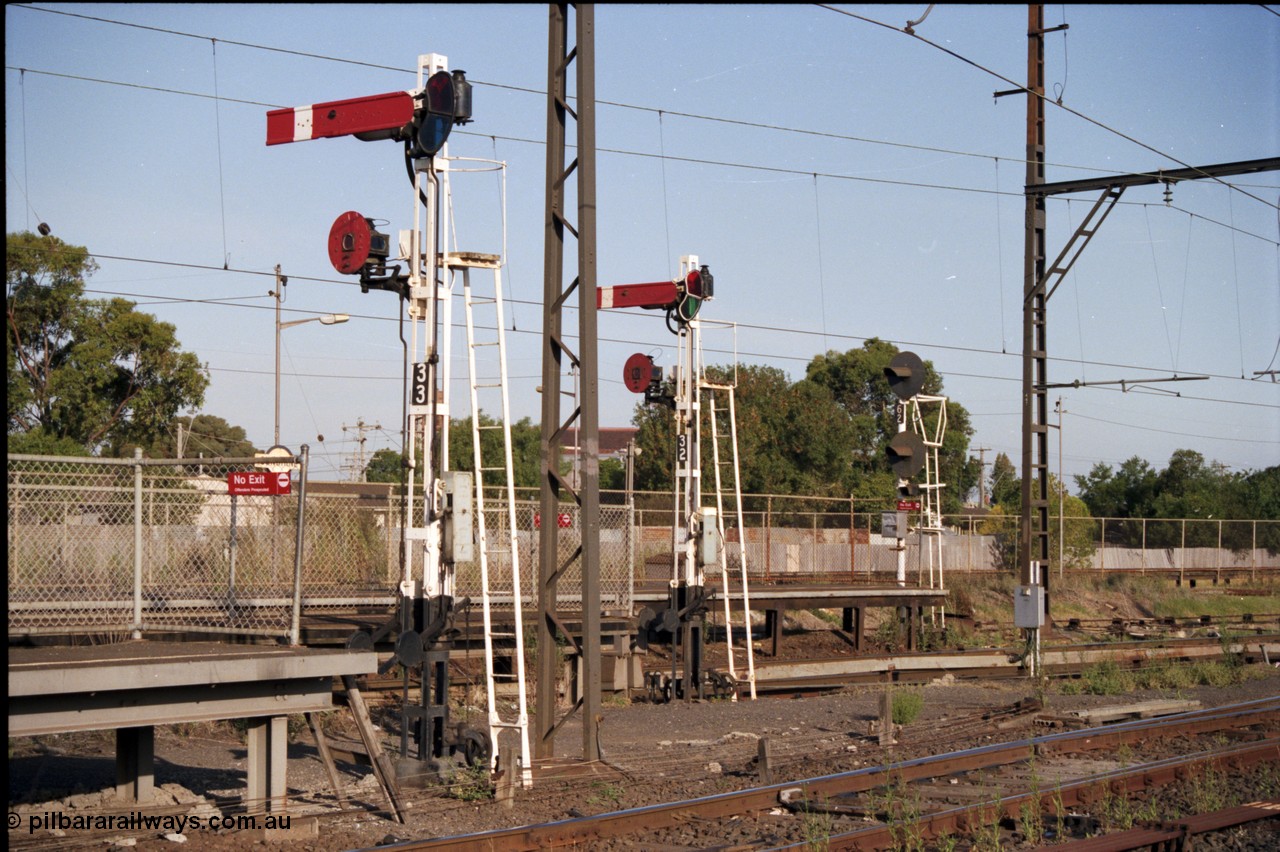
column 1186, row 603
column 906, row 707
column 1108, row 678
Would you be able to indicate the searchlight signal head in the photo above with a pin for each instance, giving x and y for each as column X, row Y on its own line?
column 436, row 120
column 905, row 374
column 905, row 452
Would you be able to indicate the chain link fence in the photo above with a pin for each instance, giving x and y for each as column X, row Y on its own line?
column 125, row 546
column 119, row 547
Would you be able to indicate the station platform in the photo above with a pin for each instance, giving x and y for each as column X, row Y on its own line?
column 775, row 598
column 133, row 686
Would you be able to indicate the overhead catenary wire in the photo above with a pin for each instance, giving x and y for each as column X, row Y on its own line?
column 664, row 158
column 344, row 283
column 217, row 122
column 1155, row 272
column 796, row 172
column 747, row 354
column 696, row 116
column 1020, row 87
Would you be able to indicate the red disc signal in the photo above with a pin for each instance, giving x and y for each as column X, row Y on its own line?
column 637, row 373
column 349, row 242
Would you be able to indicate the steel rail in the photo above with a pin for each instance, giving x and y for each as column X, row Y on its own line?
column 1175, row 833
column 584, row 830
column 1088, row 791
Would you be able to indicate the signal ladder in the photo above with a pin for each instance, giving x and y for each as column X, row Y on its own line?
column 724, row 428
column 931, row 531
column 488, row 472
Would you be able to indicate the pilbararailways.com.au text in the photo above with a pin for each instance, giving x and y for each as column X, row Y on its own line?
column 170, row 824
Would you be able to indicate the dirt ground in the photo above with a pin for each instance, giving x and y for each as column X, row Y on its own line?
column 652, row 753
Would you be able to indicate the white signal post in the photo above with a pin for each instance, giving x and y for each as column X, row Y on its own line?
column 697, row 535
column 443, row 531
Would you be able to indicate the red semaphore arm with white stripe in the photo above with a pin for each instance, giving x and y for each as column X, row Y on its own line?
column 375, row 116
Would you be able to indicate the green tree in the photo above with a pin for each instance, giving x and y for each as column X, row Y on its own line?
column 96, row 372
column 37, row 442
column 384, row 466
column 613, row 475
column 1006, row 485
column 857, row 382
column 526, row 447
column 203, row 435
column 1258, row 497
column 1128, row 492
column 792, row 438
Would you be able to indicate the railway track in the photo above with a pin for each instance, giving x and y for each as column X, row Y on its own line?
column 1064, row 783
column 790, row 676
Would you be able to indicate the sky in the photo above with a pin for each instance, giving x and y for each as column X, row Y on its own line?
column 842, row 179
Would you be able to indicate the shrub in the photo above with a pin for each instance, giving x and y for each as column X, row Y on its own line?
column 906, row 707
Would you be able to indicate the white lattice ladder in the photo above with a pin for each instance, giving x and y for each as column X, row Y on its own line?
column 719, row 436
column 488, row 473
column 931, row 530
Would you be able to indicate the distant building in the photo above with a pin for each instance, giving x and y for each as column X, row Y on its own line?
column 613, row 441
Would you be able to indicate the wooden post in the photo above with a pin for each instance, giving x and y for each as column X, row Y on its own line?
column 326, row 757
column 507, row 776
column 379, row 760
column 764, row 760
column 886, row 716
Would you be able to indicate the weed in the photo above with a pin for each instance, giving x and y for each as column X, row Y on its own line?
column 987, row 837
column 1107, row 678
column 471, row 784
column 946, row 843
column 1267, row 778
column 816, row 828
column 1031, row 814
column 609, row 795
column 889, row 635
column 901, row 812
column 1071, row 686
column 830, row 616
column 906, row 707
column 1059, row 813
column 1210, row 791
column 1116, row 811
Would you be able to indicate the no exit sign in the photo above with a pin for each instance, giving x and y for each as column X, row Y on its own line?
column 244, row 482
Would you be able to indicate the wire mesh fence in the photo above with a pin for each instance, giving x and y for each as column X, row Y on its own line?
column 122, row 546
column 128, row 546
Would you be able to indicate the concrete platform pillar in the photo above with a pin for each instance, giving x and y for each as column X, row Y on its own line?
column 773, row 626
column 135, row 763
column 268, row 762
column 852, row 623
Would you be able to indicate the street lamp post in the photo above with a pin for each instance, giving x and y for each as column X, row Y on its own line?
column 327, row 319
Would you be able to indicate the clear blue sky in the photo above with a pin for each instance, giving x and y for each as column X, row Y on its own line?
column 882, row 200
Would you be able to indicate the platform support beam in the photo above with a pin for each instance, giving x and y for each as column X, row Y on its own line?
column 135, row 764
column 268, row 759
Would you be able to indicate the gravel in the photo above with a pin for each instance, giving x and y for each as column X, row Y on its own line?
column 652, row 753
